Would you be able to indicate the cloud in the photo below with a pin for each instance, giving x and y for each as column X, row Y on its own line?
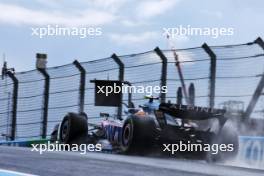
column 133, row 38
column 132, row 23
column 49, row 3
column 83, row 12
column 150, row 8
column 110, row 5
column 17, row 15
column 216, row 14
column 144, row 37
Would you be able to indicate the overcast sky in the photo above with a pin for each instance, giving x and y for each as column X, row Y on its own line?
column 128, row 26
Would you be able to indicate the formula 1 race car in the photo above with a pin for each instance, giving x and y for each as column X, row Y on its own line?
column 154, row 125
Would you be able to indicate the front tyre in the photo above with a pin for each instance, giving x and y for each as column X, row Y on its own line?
column 128, row 142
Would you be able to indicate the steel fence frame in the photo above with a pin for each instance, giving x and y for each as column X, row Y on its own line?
column 122, row 68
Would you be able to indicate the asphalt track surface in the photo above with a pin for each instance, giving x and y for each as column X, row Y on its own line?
column 100, row 164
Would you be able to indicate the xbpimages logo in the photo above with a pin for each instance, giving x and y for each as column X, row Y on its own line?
column 56, row 30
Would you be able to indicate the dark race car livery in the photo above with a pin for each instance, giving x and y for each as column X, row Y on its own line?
column 152, row 125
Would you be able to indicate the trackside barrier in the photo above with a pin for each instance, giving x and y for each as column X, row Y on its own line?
column 23, row 143
column 212, row 75
column 163, row 80
column 251, row 150
column 82, row 85
column 33, row 102
column 45, row 102
column 120, row 78
column 14, row 108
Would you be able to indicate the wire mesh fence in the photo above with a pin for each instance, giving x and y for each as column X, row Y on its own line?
column 6, row 105
column 228, row 73
column 63, row 93
column 29, row 104
column 99, row 69
column 195, row 64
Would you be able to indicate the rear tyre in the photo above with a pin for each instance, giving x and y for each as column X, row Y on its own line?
column 138, row 136
column 73, row 126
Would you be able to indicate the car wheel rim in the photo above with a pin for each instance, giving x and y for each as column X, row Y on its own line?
column 65, row 128
column 127, row 134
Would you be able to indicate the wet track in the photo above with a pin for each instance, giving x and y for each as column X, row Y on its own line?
column 99, row 164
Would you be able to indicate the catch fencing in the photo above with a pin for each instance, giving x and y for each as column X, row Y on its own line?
column 32, row 102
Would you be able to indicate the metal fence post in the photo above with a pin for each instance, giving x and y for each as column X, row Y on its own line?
column 163, row 82
column 260, row 42
column 212, row 75
column 14, row 104
column 45, row 101
column 82, row 85
column 179, row 96
column 259, row 88
column 121, row 78
column 191, row 94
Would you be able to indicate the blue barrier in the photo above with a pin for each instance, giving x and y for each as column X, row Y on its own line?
column 12, row 173
column 23, row 143
column 251, row 150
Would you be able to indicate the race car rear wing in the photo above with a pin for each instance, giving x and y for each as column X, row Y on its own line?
column 191, row 112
